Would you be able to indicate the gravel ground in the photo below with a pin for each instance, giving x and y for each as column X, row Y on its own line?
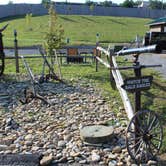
column 54, row 131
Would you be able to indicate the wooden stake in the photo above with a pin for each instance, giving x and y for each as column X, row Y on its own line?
column 16, row 51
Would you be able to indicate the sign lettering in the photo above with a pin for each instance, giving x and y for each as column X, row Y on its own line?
column 133, row 84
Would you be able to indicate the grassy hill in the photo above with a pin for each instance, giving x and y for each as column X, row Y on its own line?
column 80, row 29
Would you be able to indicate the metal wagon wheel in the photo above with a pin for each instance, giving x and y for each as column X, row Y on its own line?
column 2, row 65
column 144, row 136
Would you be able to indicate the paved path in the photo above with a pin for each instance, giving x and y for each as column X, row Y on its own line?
column 151, row 59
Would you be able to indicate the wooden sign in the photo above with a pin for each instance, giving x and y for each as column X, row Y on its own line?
column 133, row 84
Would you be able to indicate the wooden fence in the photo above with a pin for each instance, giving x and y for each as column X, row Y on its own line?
column 115, row 76
column 70, row 53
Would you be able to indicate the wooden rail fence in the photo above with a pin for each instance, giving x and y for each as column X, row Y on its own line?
column 116, row 76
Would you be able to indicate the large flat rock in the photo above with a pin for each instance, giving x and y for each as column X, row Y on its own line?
column 97, row 133
column 20, row 160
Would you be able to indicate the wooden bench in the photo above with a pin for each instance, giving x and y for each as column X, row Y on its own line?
column 73, row 56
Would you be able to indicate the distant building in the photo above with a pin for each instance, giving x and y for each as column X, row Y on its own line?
column 158, row 25
column 144, row 4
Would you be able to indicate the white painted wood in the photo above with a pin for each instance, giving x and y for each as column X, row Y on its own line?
column 58, row 64
column 119, row 82
column 103, row 50
column 123, row 93
column 104, row 63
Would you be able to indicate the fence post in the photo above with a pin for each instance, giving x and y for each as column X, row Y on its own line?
column 96, row 58
column 112, row 81
column 16, row 51
column 111, row 65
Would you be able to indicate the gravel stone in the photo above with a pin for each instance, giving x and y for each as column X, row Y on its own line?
column 46, row 160
column 116, row 149
column 112, row 156
column 61, row 143
column 54, row 130
column 152, row 163
column 112, row 163
column 95, row 157
column 3, row 147
column 82, row 162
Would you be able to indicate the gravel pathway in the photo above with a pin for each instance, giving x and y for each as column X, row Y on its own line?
column 54, row 131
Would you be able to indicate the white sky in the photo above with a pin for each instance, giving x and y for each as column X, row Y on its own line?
column 39, row 1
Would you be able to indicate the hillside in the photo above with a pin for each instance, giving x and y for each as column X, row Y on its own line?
column 80, row 29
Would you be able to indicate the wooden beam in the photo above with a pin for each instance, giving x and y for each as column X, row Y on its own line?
column 123, row 93
column 119, row 82
column 104, row 63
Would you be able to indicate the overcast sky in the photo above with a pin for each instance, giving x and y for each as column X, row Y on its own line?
column 39, row 1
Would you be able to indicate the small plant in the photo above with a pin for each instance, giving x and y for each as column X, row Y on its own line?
column 91, row 7
column 28, row 19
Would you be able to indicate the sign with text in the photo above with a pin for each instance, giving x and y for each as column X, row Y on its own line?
column 137, row 83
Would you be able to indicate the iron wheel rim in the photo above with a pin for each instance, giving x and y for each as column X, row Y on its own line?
column 145, row 143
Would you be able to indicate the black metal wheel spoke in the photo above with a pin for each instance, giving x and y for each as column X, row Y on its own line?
column 141, row 153
column 144, row 136
column 148, row 120
column 151, row 149
column 139, row 129
column 152, row 123
column 154, row 134
column 136, row 144
column 154, row 146
column 148, row 152
column 156, row 139
column 133, row 132
column 155, row 127
column 138, row 149
column 137, row 138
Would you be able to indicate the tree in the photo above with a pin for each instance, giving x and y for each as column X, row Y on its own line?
column 10, row 2
column 89, row 3
column 106, row 3
column 164, row 5
column 154, row 4
column 55, row 35
column 91, row 7
column 128, row 4
column 136, row 3
column 46, row 3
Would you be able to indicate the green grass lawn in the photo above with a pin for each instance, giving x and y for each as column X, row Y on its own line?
column 153, row 99
column 80, row 29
